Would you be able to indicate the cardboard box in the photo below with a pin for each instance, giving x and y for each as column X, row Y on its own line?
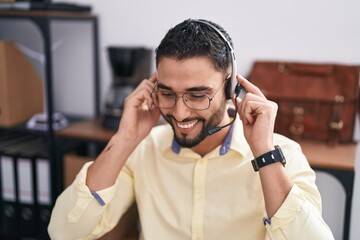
column 21, row 88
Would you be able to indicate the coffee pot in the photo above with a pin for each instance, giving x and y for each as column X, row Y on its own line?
column 130, row 65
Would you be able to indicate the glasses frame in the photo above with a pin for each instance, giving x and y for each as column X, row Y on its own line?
column 210, row 98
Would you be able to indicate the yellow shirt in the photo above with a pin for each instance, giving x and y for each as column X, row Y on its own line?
column 181, row 195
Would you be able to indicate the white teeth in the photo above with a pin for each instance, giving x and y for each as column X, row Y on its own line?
column 188, row 125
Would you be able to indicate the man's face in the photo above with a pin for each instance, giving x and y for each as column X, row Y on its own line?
column 195, row 75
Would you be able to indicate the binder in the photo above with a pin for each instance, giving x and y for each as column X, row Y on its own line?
column 28, row 212
column 43, row 193
column 8, row 204
column 8, row 199
column 18, row 175
column 9, row 209
column 27, row 178
column 26, row 171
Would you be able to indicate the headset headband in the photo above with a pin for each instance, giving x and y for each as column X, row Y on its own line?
column 232, row 53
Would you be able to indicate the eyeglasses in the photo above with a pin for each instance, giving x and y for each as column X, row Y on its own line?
column 166, row 99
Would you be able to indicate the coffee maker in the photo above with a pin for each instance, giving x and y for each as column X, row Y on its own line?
column 130, row 65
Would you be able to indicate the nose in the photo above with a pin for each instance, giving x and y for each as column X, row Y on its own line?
column 181, row 111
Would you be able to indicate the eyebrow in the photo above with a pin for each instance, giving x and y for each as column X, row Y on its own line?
column 193, row 89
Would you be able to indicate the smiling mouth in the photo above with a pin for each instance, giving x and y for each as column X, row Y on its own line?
column 186, row 125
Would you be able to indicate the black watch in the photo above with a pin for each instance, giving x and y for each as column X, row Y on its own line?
column 269, row 158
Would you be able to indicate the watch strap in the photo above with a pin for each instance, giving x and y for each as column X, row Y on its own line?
column 265, row 159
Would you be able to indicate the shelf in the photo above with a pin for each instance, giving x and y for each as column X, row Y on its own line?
column 51, row 14
column 55, row 147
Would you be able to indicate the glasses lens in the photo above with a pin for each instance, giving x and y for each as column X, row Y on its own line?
column 164, row 99
column 167, row 99
column 197, row 101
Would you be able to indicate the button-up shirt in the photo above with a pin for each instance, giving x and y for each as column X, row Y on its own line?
column 182, row 195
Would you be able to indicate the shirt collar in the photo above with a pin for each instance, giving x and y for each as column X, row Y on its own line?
column 175, row 147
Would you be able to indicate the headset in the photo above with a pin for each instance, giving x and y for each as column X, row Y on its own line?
column 232, row 88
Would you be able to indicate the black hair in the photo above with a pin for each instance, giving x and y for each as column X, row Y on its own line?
column 195, row 39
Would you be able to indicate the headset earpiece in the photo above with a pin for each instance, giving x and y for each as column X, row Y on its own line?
column 231, row 81
column 228, row 88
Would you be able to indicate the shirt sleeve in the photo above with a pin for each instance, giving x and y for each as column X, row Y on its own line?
column 297, row 219
column 81, row 214
column 300, row 215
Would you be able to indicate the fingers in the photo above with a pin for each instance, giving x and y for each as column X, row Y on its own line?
column 254, row 106
column 249, row 108
column 138, row 116
column 141, row 95
column 251, row 88
column 153, row 77
column 152, row 80
column 249, row 105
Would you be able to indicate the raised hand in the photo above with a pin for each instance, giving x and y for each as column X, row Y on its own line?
column 139, row 115
column 258, row 116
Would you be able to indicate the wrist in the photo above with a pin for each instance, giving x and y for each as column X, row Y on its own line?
column 258, row 152
column 270, row 157
column 264, row 148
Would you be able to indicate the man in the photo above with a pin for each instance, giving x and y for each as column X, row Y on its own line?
column 188, row 184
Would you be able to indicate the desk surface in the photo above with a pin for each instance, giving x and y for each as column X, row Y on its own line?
column 319, row 154
column 87, row 130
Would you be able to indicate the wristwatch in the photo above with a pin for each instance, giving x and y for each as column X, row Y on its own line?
column 269, row 158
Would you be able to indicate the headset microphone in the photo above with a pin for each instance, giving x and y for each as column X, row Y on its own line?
column 218, row 128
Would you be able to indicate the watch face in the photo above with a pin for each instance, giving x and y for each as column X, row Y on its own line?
column 283, row 160
column 255, row 165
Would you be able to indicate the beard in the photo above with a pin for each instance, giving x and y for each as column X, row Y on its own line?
column 183, row 140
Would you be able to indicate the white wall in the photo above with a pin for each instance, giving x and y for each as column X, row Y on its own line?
column 317, row 30
column 308, row 30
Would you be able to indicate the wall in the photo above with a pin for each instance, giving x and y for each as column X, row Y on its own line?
column 316, row 31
